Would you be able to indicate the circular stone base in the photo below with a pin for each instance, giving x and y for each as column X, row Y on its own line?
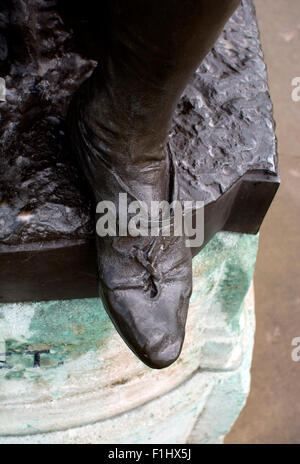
column 67, row 377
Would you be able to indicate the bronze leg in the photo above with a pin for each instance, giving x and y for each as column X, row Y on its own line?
column 119, row 122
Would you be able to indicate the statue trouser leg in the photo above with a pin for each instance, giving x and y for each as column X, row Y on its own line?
column 119, row 123
column 152, row 51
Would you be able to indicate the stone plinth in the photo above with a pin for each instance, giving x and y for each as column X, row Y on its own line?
column 87, row 386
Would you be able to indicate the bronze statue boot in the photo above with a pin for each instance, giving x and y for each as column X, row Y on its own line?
column 145, row 282
column 119, row 123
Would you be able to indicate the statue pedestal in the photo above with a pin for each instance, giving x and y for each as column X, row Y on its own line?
column 87, row 386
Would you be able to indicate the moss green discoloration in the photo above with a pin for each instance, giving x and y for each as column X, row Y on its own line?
column 15, row 374
column 70, row 328
column 238, row 275
column 232, row 291
column 227, row 265
column 67, row 329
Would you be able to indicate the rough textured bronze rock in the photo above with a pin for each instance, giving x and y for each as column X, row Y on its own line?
column 223, row 126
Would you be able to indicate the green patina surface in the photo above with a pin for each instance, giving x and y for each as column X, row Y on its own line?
column 237, row 271
column 67, row 329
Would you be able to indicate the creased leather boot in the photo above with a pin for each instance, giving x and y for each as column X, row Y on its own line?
column 145, row 282
column 119, row 123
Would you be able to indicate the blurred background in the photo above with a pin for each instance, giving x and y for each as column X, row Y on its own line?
column 272, row 413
